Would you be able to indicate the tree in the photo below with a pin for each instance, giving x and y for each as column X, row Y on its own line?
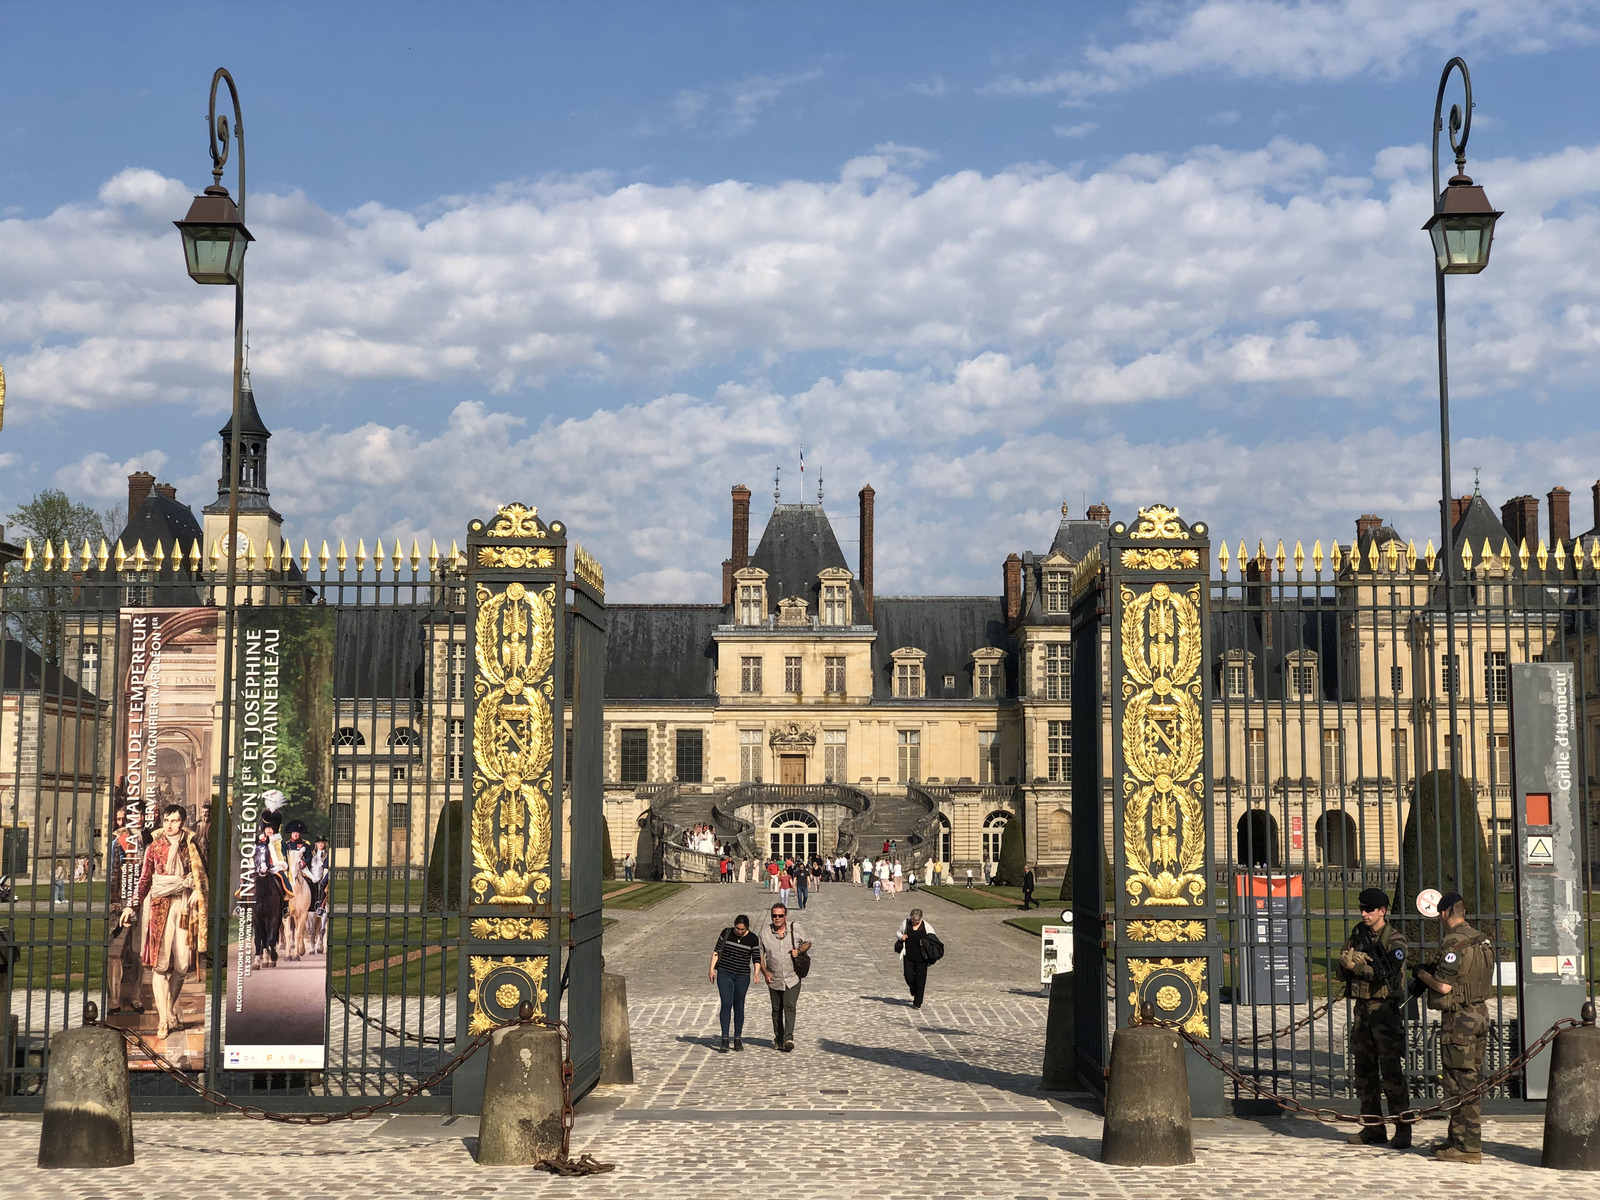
column 608, row 862
column 445, row 860
column 34, row 614
column 1434, row 829
column 1108, row 879
column 1013, row 856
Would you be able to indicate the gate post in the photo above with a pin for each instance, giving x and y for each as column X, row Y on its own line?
column 1164, row 930
column 511, row 856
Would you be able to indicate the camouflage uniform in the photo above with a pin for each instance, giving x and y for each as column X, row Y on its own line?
column 1464, row 960
column 1378, row 1030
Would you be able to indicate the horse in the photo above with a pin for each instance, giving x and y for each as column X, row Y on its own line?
column 318, row 935
column 296, row 922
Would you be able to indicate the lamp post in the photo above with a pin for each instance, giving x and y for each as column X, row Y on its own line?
column 214, row 242
column 1462, row 230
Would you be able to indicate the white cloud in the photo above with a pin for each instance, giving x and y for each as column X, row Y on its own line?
column 97, row 479
column 730, row 108
column 1081, row 129
column 1308, row 41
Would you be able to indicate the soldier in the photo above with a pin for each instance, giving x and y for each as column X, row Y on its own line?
column 1457, row 977
column 1370, row 964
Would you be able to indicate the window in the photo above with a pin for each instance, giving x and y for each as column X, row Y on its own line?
column 689, row 756
column 1235, row 674
column 1397, row 680
column 1302, row 681
column 1452, row 749
column 348, row 735
column 635, row 755
column 1058, row 751
column 988, row 756
column 1055, row 591
column 1500, row 759
column 1496, row 677
column 833, row 675
column 1255, row 759
column 750, row 675
column 397, row 772
column 994, row 827
column 835, row 766
column 341, row 772
column 750, row 756
column 1450, row 674
column 456, row 685
column 910, row 747
column 750, row 603
column 139, row 593
column 456, row 751
column 1507, row 836
column 791, row 674
column 1402, row 758
column 1056, row 666
column 908, row 680
column 986, row 683
column 404, row 735
column 344, row 826
column 89, row 667
column 399, row 815
column 949, row 687
column 835, row 604
column 1332, row 757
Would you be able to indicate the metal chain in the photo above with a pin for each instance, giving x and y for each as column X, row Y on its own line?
column 1332, row 1115
column 1295, row 1027
column 562, row 1163
column 406, row 1034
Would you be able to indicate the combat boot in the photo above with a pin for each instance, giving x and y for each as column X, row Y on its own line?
column 1402, row 1138
column 1369, row 1135
column 1458, row 1154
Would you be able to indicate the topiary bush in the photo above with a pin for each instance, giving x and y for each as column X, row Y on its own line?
column 608, row 862
column 1428, row 846
column 1013, row 855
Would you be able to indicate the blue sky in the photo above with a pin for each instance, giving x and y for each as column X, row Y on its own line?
column 612, row 259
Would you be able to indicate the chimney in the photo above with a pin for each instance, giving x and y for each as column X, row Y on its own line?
column 727, row 582
column 1458, row 509
column 170, row 491
column 139, row 485
column 1258, row 571
column 1367, row 523
column 1520, row 516
column 866, row 494
column 1102, row 513
column 1013, row 579
column 1560, row 515
column 741, row 527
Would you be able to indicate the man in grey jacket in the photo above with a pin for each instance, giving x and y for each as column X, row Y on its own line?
column 781, row 942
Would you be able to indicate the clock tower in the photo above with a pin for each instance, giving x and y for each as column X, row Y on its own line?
column 259, row 522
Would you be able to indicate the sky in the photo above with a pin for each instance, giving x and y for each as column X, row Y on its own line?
column 613, row 259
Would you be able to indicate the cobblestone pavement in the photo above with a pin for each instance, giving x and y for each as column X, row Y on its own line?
column 877, row 1099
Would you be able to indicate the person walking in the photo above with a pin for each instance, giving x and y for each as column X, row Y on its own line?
column 1370, row 965
column 880, row 874
column 58, row 884
column 785, row 885
column 772, row 874
column 969, row 876
column 915, row 943
column 802, row 884
column 733, row 963
column 1027, row 888
column 627, row 867
column 781, row 944
column 1457, row 977
column 897, row 877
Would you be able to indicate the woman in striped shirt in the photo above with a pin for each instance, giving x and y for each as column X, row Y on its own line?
column 732, row 963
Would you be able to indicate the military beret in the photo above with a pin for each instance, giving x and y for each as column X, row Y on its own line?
column 1450, row 900
column 1373, row 898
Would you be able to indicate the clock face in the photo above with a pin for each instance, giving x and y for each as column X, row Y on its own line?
column 242, row 546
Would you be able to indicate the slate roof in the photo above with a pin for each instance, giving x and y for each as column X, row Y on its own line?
column 250, row 417
column 660, row 651
column 1075, row 537
column 23, row 669
column 949, row 628
column 1309, row 627
column 798, row 544
column 378, row 653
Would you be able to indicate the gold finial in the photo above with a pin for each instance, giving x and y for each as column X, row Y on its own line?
column 27, row 555
column 1488, row 555
column 216, row 554
column 270, row 557
column 322, row 557
column 1522, row 553
column 121, row 555
column 1543, row 555
column 1279, row 557
column 1243, row 557
column 250, row 556
column 1299, row 559
column 1430, row 554
column 1561, row 559
column 1577, row 554
column 1411, row 555
column 1594, row 552
column 194, row 556
column 342, row 557
column 1466, row 554
column 397, row 557
column 139, row 558
column 86, row 555
column 104, row 556
column 1222, row 558
column 1391, row 554
column 1336, row 559
column 361, row 555
column 433, row 556
column 416, row 556
column 377, row 558
column 305, row 556
column 1316, row 556
column 455, row 557
column 1372, row 554
column 159, row 557
column 49, row 556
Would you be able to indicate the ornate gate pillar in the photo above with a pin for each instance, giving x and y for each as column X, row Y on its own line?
column 512, row 869
column 1164, row 936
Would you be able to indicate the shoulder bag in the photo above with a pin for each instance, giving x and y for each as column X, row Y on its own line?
column 802, row 961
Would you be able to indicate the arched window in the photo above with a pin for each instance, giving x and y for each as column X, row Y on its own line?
column 348, row 735
column 794, row 833
column 403, row 735
column 994, row 825
column 944, row 838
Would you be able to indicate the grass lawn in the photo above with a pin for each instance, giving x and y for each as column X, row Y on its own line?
column 1031, row 924
column 647, row 895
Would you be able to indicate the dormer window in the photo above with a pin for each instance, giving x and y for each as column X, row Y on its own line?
column 1238, row 682
column 988, row 673
column 908, row 681
column 751, row 590
column 1055, row 592
column 1300, row 674
column 835, row 593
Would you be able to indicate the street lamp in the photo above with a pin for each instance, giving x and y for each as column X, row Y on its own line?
column 214, row 242
column 1462, row 230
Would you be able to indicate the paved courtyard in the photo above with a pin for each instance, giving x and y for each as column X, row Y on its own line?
column 878, row 1099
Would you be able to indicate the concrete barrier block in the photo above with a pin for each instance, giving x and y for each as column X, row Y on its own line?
column 522, row 1098
column 616, row 1047
column 1147, row 1100
column 1572, row 1112
column 87, row 1119
column 1060, row 1041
